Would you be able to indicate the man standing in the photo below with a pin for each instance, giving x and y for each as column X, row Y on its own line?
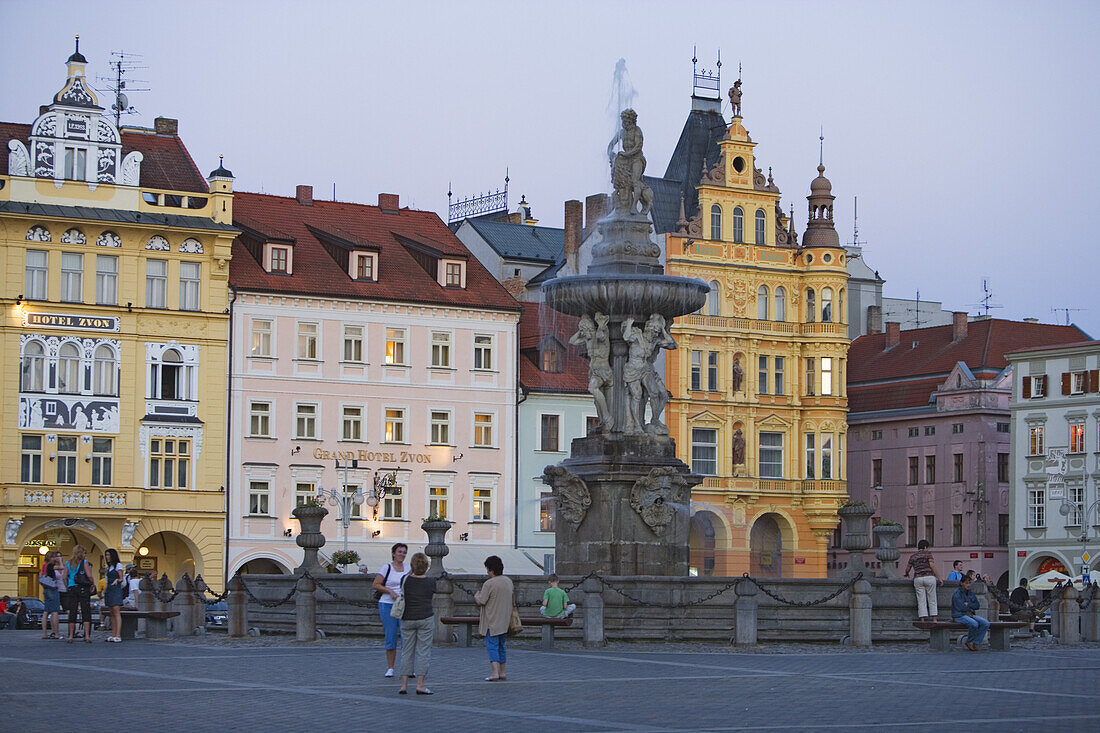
column 1020, row 598
column 956, row 571
column 964, row 608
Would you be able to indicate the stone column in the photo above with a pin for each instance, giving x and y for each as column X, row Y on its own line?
column 310, row 538
column 593, row 613
column 305, row 610
column 859, row 614
column 443, row 604
column 144, row 602
column 745, row 613
column 1069, row 618
column 237, row 602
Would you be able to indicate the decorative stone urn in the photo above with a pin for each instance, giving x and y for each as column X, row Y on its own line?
column 436, row 549
column 309, row 537
column 887, row 552
column 855, row 538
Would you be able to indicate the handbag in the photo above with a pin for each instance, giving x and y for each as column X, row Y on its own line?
column 378, row 593
column 398, row 610
column 515, row 626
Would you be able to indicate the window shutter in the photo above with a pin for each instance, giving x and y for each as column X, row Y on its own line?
column 1094, row 380
column 1065, row 382
column 1026, row 388
column 1046, row 385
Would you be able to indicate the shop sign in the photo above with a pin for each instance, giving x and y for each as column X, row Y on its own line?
column 1021, row 553
column 402, row 456
column 800, row 561
column 74, row 321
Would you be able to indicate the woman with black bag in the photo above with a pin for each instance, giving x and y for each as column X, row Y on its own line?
column 80, row 582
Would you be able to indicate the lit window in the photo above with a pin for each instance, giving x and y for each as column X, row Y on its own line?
column 68, row 369
column 762, row 303
column 30, row 468
column 33, row 368
column 259, row 496
column 441, row 349
column 780, row 304
column 305, row 421
column 303, row 492
column 771, row 455
column 547, row 504
column 66, row 459
column 307, row 341
column 438, row 497
column 761, row 223
column 394, row 429
column 353, row 343
column 72, row 277
column 440, row 427
column 704, row 451
column 106, row 280
column 169, row 460
column 395, row 346
column 738, row 225
column 279, row 258
column 551, row 360
column 259, row 419
column 483, row 351
column 352, row 422
column 826, row 375
column 483, row 505
column 102, row 461
column 156, row 284
column 190, row 275
column 104, row 371
column 550, row 424
column 1036, row 442
column 1077, row 438
column 483, row 429
column 716, row 223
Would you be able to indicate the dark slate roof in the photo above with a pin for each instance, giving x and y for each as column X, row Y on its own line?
column 702, row 131
column 88, row 213
column 521, row 241
column 166, row 164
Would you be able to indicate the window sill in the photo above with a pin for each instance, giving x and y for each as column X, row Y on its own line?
column 483, row 521
column 548, row 450
column 484, row 447
column 306, row 440
column 260, row 516
column 483, row 371
column 440, row 445
column 395, row 442
column 263, row 357
column 304, row 360
column 260, row 437
column 434, row 368
column 389, row 519
column 396, row 366
column 344, row 362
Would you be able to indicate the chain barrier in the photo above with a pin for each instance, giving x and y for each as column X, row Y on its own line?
column 269, row 604
column 207, row 595
column 337, row 596
column 158, row 592
column 1084, row 603
column 528, row 604
column 803, row 604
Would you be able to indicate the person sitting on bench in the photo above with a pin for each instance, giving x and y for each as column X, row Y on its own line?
column 964, row 607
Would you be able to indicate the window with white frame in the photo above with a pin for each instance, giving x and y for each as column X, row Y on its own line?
column 259, row 419
column 393, row 507
column 30, row 459
column 156, row 284
column 716, row 223
column 190, row 277
column 453, row 275
column 261, row 337
column 714, row 305
column 738, row 224
column 483, row 429
column 68, row 368
column 364, row 268
column 394, row 429
column 355, row 510
column 305, row 421
column 438, row 501
column 712, row 371
column 441, row 349
column 1076, row 495
column 102, row 461
column 395, row 346
column 1036, row 506
column 440, row 423
column 780, row 303
column 826, row 456
column 1038, row 386
column 826, row 305
column 483, row 351
column 704, row 451
column 811, row 376
column 1077, row 437
column 104, row 371
column 811, row 305
column 762, row 303
column 169, row 463
column 37, row 271
column 106, row 280
column 547, row 505
column 811, row 455
column 762, row 371
column 1078, row 382
column 32, row 373
column 352, row 422
column 307, row 341
column 65, row 459
column 761, row 224
column 259, row 498
column 304, row 491
column 826, row 375
column 778, row 373
column 72, row 277
column 353, row 343
column 1036, row 441
column 170, row 377
column 76, row 163
column 550, row 426
column 279, row 259
column 483, row 504
column 771, row 455
column 696, row 370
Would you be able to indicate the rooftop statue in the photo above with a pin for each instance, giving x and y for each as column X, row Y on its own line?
column 627, row 167
column 735, row 98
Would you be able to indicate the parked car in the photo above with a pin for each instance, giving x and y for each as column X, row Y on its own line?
column 217, row 613
column 33, row 618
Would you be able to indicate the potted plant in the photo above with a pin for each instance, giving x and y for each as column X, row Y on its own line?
column 436, row 527
column 887, row 554
column 344, row 558
column 309, row 515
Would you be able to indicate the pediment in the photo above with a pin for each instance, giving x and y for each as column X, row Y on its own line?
column 708, row 417
column 772, row 420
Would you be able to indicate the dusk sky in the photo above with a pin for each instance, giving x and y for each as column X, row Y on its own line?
column 966, row 129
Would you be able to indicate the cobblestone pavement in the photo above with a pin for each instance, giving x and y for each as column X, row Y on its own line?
column 215, row 683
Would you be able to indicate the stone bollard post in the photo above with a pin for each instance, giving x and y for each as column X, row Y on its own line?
column 443, row 604
column 1090, row 620
column 1069, row 624
column 144, row 602
column 593, row 613
column 859, row 614
column 985, row 607
column 305, row 610
column 184, row 602
column 237, row 602
column 745, row 613
column 157, row 628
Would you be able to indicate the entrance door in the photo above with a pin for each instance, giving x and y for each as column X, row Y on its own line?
column 766, row 548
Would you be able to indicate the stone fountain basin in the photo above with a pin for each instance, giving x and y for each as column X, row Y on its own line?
column 625, row 295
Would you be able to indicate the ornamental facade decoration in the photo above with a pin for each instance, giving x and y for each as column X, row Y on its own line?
column 570, row 493
column 39, row 233
column 658, row 496
column 75, row 497
column 108, row 239
column 19, row 159
column 37, row 496
column 191, row 246
column 73, row 236
column 157, row 243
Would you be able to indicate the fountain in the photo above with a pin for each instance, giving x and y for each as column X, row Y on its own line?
column 623, row 497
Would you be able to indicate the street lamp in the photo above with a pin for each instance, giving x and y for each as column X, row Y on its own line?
column 383, row 484
column 341, row 498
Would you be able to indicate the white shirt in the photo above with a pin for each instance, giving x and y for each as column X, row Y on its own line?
column 393, row 582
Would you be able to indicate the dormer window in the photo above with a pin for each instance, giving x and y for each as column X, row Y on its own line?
column 76, row 164
column 452, row 273
column 364, row 266
column 278, row 259
column 551, row 360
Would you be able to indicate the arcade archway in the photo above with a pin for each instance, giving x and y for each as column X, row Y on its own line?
column 706, row 541
column 168, row 553
column 60, row 538
column 263, row 566
column 766, row 553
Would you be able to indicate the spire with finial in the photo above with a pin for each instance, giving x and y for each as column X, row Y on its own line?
column 77, row 57
column 221, row 171
column 821, row 147
column 682, row 222
column 819, row 226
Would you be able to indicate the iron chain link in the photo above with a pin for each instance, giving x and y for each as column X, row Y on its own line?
column 333, row 594
column 803, row 604
column 268, row 604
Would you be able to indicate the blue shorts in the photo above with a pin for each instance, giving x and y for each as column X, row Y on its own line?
column 391, row 625
column 497, row 648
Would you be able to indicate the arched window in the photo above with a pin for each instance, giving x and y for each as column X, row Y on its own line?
column 171, row 380
column 780, row 303
column 762, row 303
column 68, row 369
column 716, row 223
column 712, row 299
column 761, row 222
column 811, row 306
column 826, row 305
column 105, row 371
column 32, row 378
column 738, row 225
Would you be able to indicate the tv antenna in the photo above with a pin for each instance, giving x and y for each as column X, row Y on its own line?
column 984, row 303
column 855, row 227
column 915, row 320
column 118, row 84
column 1067, row 312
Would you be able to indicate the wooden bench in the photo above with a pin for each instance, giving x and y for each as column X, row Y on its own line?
column 465, row 626
column 1000, row 633
column 156, row 623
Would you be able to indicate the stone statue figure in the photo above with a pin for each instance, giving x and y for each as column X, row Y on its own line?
column 11, row 530
column 735, row 98
column 128, row 533
column 593, row 333
column 570, row 493
column 627, row 167
column 738, row 375
column 738, row 447
column 643, row 384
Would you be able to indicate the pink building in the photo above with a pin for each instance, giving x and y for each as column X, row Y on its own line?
column 929, row 434
column 367, row 333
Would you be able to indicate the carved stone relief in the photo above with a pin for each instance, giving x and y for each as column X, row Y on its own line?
column 191, row 246
column 19, row 159
column 39, row 233
column 157, row 243
column 74, row 236
column 108, row 239
column 655, row 497
column 570, row 492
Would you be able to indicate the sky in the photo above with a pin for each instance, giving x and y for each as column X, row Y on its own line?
column 966, row 129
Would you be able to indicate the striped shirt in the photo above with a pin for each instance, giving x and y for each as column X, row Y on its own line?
column 920, row 562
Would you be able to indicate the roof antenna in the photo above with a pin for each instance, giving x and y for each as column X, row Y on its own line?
column 122, row 63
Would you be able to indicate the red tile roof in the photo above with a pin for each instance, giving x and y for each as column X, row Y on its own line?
column 907, row 375
column 166, row 163
column 537, row 323
column 315, row 272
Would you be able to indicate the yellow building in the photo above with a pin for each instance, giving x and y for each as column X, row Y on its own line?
column 115, row 255
column 758, row 401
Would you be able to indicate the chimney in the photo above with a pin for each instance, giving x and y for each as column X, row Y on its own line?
column 893, row 334
column 304, row 194
column 574, row 221
column 389, row 201
column 166, row 126
column 596, row 207
column 874, row 319
column 958, row 326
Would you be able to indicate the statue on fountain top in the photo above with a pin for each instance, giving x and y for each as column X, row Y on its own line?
column 643, row 383
column 627, row 167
